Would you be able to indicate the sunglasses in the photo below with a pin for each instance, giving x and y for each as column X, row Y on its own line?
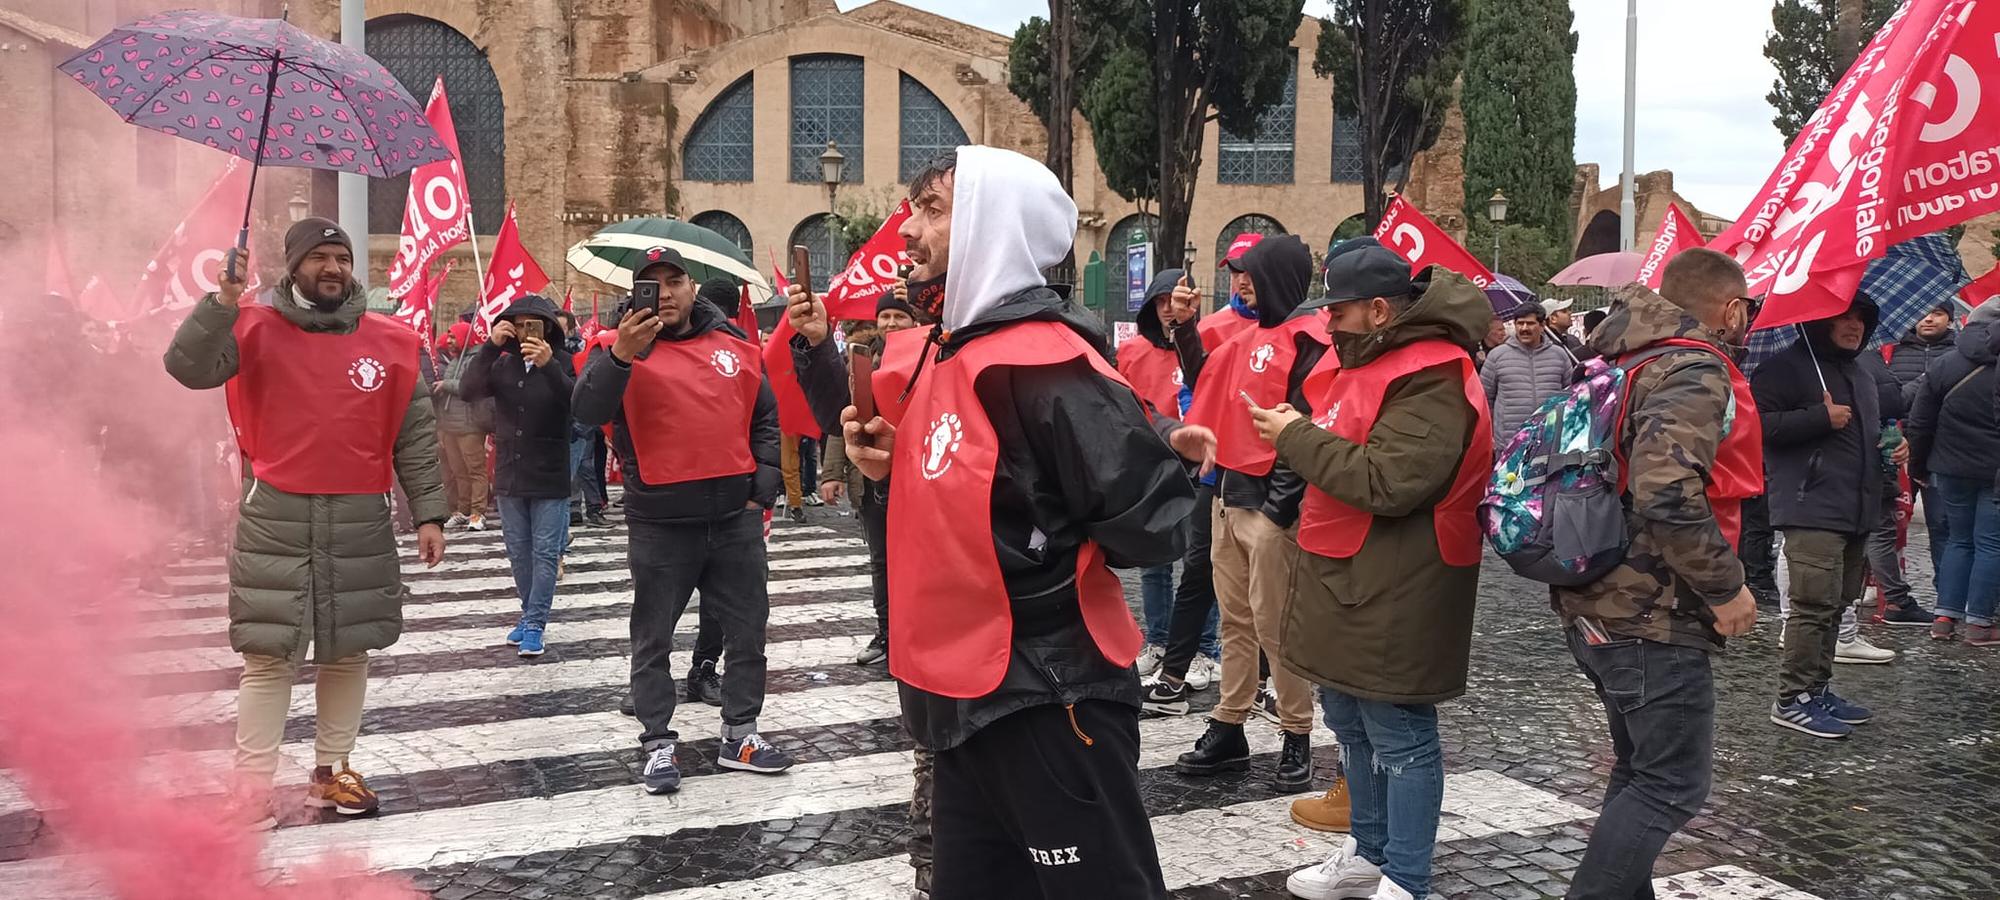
column 1752, row 306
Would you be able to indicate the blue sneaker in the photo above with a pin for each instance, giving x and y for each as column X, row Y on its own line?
column 531, row 642
column 1805, row 713
column 1844, row 710
column 514, row 637
column 663, row 774
column 753, row 754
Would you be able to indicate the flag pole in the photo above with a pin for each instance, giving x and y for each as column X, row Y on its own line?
column 471, row 233
column 1801, row 329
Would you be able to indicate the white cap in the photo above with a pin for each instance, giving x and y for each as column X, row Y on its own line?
column 1552, row 306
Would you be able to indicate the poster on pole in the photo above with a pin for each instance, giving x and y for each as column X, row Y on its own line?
column 1138, row 271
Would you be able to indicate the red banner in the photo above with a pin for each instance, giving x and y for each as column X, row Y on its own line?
column 99, row 302
column 510, row 275
column 746, row 318
column 420, row 303
column 1899, row 149
column 1984, row 288
column 1676, row 234
column 568, row 295
column 437, row 212
column 1419, row 240
column 189, row 265
column 870, row 272
column 588, row 328
column 794, row 416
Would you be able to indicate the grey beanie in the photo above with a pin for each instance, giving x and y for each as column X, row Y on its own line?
column 309, row 234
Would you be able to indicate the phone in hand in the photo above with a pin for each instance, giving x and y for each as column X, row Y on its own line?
column 861, row 389
column 802, row 267
column 530, row 328
column 646, row 295
column 1246, row 398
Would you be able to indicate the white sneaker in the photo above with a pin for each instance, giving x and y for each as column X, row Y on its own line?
column 457, row 520
column 1204, row 671
column 1389, row 890
column 1861, row 652
column 476, row 523
column 1266, row 704
column 1149, row 659
column 1344, row 876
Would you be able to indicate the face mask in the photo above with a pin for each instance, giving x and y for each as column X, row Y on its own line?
column 928, row 295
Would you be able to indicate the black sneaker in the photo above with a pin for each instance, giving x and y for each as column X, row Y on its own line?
column 595, row 518
column 1221, row 749
column 797, row 514
column 1166, row 698
column 1908, row 615
column 752, row 754
column 704, row 685
column 625, row 706
column 876, row 651
column 575, row 519
column 1295, row 764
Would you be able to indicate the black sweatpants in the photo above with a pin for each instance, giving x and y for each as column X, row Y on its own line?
column 1025, row 809
column 725, row 560
column 875, row 530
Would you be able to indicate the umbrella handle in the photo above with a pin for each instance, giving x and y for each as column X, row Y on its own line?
column 242, row 244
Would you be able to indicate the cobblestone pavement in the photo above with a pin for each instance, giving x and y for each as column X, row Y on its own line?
column 502, row 778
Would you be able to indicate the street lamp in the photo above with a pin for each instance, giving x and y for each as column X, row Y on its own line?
column 299, row 206
column 1496, row 212
column 832, row 165
column 1187, row 257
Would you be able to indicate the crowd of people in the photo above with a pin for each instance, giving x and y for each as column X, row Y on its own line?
column 1296, row 476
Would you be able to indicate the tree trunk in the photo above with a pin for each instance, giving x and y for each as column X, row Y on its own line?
column 1848, row 21
column 1180, row 144
column 1371, row 107
column 1062, row 91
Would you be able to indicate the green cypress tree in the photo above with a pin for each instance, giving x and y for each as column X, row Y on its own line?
column 1520, row 114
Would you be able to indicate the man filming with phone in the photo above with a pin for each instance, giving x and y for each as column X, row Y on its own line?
column 695, row 426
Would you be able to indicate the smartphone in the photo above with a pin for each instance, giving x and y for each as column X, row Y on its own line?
column 530, row 328
column 1246, row 398
column 646, row 295
column 861, row 389
column 903, row 271
column 802, row 267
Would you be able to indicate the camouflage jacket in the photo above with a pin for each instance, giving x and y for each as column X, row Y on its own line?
column 1679, row 563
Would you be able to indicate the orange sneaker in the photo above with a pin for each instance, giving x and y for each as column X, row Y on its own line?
column 343, row 792
column 1328, row 813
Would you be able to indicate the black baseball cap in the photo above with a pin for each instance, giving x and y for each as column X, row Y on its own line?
column 1361, row 269
column 658, row 256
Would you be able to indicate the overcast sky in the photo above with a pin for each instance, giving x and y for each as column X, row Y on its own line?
column 1702, row 80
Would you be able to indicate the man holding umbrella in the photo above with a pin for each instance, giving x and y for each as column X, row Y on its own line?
column 329, row 412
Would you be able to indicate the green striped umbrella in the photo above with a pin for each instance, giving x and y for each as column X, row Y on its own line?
column 609, row 254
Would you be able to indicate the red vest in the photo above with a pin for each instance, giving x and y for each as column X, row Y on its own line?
column 1347, row 403
column 1218, row 327
column 1258, row 362
column 318, row 413
column 950, row 622
column 900, row 352
column 1155, row 372
column 688, row 408
column 1739, row 461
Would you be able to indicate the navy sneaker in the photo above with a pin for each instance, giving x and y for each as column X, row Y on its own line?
column 531, row 643
column 1807, row 715
column 752, row 754
column 663, row 774
column 1845, row 711
column 1906, row 614
column 514, row 637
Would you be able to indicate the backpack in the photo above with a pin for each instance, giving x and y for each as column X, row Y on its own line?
column 1554, row 509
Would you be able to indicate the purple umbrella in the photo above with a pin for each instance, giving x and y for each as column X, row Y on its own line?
column 1508, row 294
column 260, row 89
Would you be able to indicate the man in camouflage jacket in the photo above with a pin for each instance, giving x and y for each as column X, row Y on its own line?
column 1643, row 634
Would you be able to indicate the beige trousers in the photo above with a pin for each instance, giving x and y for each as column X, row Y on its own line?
column 1253, row 558
column 264, row 701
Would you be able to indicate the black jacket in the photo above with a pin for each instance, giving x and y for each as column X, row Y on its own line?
column 1815, row 476
column 599, row 399
column 1912, row 356
column 1953, row 428
column 531, row 429
column 1281, row 272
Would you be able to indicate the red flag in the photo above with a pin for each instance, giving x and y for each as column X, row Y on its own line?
column 589, row 328
column 437, row 212
column 55, row 279
column 1897, row 150
column 189, row 265
column 1676, row 234
column 870, row 272
column 567, row 294
column 510, row 275
column 1406, row 231
column 420, row 304
column 99, row 302
column 1984, row 288
column 794, row 416
column 746, row 318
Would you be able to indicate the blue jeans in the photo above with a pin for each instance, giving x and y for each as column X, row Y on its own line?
column 1156, row 598
column 536, row 530
column 1968, row 576
column 1395, row 778
column 583, row 484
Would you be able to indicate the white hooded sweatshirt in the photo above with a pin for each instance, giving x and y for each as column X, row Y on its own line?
column 1010, row 219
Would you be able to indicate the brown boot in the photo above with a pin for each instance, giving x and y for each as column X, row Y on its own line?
column 1328, row 813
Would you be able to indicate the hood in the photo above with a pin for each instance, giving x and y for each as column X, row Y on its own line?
column 1148, row 317
column 460, row 330
column 705, row 317
column 1980, row 343
column 1010, row 219
column 1639, row 318
column 342, row 320
column 1279, row 267
column 541, row 308
column 1817, row 331
column 1452, row 308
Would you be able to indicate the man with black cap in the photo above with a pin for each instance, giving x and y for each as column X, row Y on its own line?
column 330, row 413
column 1379, row 612
column 696, row 427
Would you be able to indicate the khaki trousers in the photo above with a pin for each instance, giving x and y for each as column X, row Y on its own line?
column 264, row 701
column 789, row 462
column 465, row 464
column 1252, row 558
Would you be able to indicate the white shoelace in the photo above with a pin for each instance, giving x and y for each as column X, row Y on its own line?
column 661, row 754
column 757, row 740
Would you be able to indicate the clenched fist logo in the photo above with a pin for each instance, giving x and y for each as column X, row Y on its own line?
column 368, row 374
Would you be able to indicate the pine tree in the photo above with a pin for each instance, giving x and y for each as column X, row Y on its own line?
column 1809, row 46
column 1520, row 114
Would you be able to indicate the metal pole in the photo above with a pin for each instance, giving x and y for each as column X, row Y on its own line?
column 1628, row 211
column 354, row 188
column 1496, row 248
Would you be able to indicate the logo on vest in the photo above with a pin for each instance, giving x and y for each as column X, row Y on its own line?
column 725, row 361
column 946, row 432
column 367, row 374
column 1177, row 377
column 1325, row 419
column 1260, row 358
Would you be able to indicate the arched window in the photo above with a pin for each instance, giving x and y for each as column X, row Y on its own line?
column 928, row 128
column 818, row 235
column 417, row 50
column 719, row 146
column 728, row 226
column 1265, row 156
column 826, row 106
column 1253, row 223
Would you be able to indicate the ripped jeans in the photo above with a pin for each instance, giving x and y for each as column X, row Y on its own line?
column 1395, row 777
